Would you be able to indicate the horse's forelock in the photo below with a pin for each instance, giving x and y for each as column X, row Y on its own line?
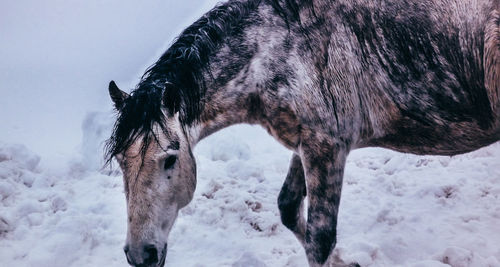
column 137, row 120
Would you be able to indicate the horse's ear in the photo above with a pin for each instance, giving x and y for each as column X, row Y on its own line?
column 171, row 98
column 117, row 95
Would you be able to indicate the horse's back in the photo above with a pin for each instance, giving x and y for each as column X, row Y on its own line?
column 437, row 62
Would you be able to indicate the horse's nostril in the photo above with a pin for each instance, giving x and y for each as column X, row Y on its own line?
column 150, row 254
column 126, row 249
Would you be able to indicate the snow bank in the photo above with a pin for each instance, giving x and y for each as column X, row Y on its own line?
column 396, row 209
column 57, row 220
column 96, row 128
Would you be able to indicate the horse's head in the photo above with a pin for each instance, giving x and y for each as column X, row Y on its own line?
column 159, row 173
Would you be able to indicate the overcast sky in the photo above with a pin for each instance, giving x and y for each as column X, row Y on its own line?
column 57, row 57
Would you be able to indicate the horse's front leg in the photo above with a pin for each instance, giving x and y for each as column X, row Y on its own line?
column 324, row 169
column 291, row 198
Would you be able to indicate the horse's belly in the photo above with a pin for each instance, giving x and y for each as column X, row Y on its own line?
column 454, row 138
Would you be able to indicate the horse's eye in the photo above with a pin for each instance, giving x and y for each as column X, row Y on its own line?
column 170, row 161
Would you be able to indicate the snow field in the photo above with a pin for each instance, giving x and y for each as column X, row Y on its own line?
column 396, row 209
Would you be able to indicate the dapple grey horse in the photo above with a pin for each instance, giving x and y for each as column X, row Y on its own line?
column 324, row 78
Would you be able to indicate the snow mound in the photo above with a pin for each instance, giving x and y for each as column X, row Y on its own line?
column 18, row 155
column 96, row 128
column 46, row 217
column 459, row 257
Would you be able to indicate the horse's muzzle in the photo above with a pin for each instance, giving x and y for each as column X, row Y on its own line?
column 146, row 255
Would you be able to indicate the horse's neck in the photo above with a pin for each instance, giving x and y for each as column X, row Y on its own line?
column 230, row 104
column 255, row 76
column 238, row 80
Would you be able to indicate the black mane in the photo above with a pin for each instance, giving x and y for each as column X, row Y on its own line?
column 182, row 67
column 186, row 61
column 289, row 10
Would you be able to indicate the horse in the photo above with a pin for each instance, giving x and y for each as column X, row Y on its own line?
column 323, row 78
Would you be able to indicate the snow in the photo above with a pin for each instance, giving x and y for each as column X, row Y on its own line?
column 396, row 209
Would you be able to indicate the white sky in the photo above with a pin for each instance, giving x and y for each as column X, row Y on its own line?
column 57, row 57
